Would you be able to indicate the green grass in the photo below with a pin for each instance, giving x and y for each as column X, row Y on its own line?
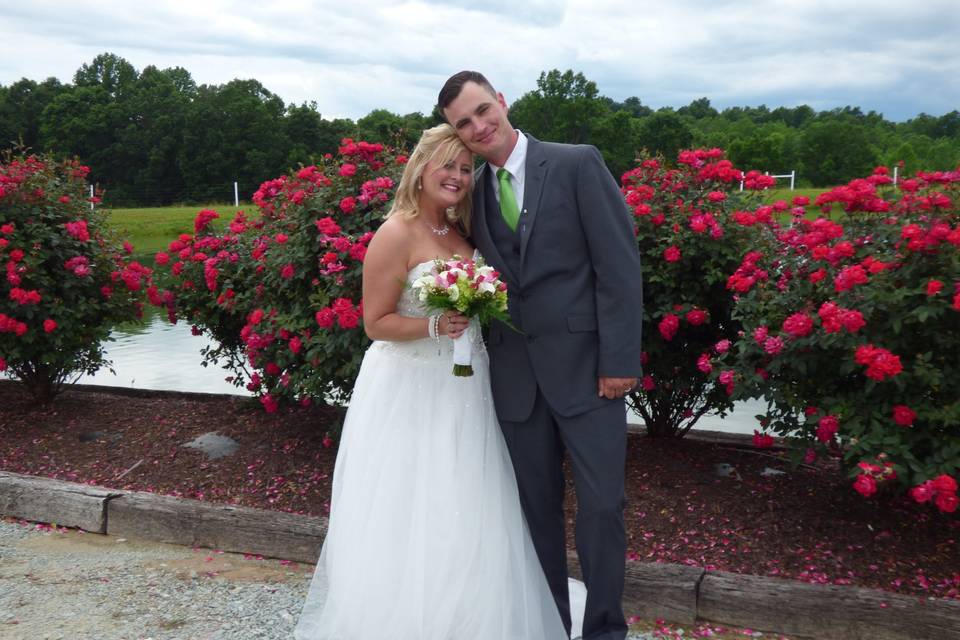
column 152, row 229
column 785, row 194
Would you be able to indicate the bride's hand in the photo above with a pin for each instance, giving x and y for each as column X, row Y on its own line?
column 453, row 324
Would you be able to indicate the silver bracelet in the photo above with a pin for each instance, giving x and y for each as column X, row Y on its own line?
column 433, row 324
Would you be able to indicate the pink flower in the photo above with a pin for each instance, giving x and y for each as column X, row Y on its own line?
column 880, row 363
column 203, row 219
column 722, row 346
column 944, row 484
column 923, row 492
column 78, row 230
column 798, row 325
column 287, row 271
column 327, row 442
column 3, row 365
column 161, row 258
column 849, row 277
column 903, row 415
column 865, row 485
column 760, row 334
column 327, row 226
column 295, row 344
column 669, row 326
column 827, row 428
column 255, row 316
column 325, row 318
column 269, row 403
column 348, row 204
column 697, row 317
column 49, row 326
column 946, row 502
column 762, row 440
column 281, row 238
column 773, row 345
column 934, row 287
column 703, row 363
column 347, row 169
column 348, row 319
column 647, row 383
column 671, row 254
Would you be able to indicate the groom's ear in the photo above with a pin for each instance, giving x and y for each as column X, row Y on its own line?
column 502, row 101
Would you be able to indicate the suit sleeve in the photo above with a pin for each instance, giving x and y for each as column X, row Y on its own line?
column 615, row 259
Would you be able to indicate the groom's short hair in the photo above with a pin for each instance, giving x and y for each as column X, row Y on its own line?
column 454, row 85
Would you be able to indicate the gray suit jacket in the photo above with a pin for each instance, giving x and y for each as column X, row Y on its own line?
column 574, row 288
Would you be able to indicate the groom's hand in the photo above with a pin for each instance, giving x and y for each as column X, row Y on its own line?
column 611, row 388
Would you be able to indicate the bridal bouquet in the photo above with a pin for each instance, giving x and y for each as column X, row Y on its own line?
column 470, row 287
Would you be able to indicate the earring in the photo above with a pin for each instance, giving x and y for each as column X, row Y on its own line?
column 419, row 184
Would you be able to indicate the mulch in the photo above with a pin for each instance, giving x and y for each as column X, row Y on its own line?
column 690, row 501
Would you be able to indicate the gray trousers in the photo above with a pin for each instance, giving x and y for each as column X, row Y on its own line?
column 596, row 441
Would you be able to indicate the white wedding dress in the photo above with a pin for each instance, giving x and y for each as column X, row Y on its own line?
column 426, row 538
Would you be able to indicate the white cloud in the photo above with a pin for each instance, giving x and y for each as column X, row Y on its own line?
column 351, row 57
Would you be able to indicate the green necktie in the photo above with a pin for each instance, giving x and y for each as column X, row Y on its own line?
column 508, row 201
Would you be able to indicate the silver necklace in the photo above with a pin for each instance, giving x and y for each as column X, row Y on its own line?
column 440, row 231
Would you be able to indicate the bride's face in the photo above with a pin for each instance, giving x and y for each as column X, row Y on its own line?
column 446, row 185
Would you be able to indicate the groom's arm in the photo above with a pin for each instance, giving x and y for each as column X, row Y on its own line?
column 615, row 260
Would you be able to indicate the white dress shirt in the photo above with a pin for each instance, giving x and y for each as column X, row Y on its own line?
column 516, row 165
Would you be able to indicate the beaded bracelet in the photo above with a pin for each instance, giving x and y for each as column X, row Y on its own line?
column 433, row 326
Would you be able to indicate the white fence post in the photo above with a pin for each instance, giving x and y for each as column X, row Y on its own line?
column 91, row 195
column 896, row 170
column 236, row 195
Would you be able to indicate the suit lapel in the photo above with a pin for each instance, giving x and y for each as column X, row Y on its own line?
column 481, row 227
column 534, row 180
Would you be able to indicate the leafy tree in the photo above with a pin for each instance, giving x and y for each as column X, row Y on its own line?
column 21, row 106
column 664, row 133
column 564, row 108
column 833, row 151
column 698, row 109
column 233, row 132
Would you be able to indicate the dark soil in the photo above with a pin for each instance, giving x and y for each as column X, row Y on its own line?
column 806, row 524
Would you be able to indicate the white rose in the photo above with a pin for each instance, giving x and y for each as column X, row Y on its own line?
column 453, row 292
column 486, row 287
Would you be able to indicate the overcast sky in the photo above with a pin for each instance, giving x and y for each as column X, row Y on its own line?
column 351, row 56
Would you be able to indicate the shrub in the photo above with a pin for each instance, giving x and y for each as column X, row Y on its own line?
column 67, row 281
column 693, row 228
column 280, row 292
column 850, row 325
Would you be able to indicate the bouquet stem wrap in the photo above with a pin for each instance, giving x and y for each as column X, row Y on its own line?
column 462, row 356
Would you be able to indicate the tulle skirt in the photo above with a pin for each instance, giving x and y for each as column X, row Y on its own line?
column 426, row 538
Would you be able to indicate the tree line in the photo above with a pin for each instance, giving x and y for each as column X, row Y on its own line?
column 155, row 137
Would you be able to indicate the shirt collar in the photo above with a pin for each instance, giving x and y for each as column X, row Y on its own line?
column 517, row 161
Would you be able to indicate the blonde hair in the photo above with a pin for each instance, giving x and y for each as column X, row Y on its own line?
column 439, row 145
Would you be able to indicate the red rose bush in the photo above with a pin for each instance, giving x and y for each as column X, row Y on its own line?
column 693, row 228
column 66, row 281
column 280, row 292
column 851, row 330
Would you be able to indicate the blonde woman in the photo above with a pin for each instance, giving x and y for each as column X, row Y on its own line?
column 426, row 540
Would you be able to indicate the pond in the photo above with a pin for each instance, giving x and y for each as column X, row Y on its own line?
column 159, row 355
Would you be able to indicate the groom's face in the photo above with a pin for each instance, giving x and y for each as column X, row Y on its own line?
column 480, row 119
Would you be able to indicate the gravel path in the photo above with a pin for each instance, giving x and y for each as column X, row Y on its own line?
column 66, row 584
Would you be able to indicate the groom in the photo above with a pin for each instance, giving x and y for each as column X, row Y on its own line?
column 551, row 219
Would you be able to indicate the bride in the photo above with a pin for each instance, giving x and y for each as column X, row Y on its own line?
column 426, row 539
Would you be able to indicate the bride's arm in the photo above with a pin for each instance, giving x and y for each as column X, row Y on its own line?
column 384, row 276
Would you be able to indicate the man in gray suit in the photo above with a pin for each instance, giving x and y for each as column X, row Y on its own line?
column 552, row 220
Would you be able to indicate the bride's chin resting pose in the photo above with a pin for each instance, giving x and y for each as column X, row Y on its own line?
column 426, row 539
